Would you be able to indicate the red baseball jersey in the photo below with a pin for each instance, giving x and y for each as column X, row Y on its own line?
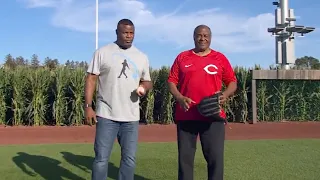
column 199, row 77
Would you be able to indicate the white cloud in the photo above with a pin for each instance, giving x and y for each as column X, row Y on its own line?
column 42, row 3
column 231, row 32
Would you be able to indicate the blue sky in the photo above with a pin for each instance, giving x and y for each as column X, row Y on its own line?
column 65, row 29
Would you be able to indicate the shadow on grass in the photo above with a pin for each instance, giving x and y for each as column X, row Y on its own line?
column 85, row 163
column 46, row 167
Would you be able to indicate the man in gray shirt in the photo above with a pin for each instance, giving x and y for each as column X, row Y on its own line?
column 122, row 73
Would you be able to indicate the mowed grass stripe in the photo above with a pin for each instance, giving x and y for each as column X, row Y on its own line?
column 244, row 160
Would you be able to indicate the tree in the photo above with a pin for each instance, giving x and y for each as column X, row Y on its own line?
column 308, row 62
column 20, row 61
column 9, row 61
column 35, row 61
column 51, row 63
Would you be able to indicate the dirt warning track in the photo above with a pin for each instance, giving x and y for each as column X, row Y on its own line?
column 157, row 133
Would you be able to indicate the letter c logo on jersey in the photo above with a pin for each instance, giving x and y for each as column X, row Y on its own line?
column 211, row 70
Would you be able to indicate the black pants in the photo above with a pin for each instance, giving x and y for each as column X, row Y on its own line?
column 212, row 136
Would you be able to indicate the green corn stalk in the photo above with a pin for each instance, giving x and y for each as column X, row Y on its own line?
column 158, row 96
column 39, row 80
column 167, row 110
column 282, row 93
column 60, row 107
column 77, row 89
column 3, row 105
column 257, row 67
column 19, row 84
column 302, row 104
column 242, row 98
column 163, row 103
column 263, row 100
column 149, row 106
column 150, row 98
column 315, row 97
column 166, row 99
column 229, row 107
column 25, row 91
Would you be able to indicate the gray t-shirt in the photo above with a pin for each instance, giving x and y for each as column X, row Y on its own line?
column 120, row 72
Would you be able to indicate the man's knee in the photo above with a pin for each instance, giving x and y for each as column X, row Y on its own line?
column 129, row 160
column 102, row 155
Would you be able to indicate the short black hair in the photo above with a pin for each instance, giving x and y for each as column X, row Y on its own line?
column 125, row 22
column 201, row 26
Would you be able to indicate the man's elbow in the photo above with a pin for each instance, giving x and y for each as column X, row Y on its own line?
column 234, row 86
column 171, row 86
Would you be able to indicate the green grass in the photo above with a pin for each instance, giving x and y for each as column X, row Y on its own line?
column 244, row 160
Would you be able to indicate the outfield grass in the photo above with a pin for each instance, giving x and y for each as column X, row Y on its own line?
column 244, row 160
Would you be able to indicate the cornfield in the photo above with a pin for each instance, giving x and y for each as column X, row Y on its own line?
column 40, row 96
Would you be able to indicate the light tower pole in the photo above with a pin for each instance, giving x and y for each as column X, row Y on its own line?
column 284, row 32
column 97, row 24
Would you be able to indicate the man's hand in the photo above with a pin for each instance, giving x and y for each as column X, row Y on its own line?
column 141, row 91
column 182, row 100
column 185, row 102
column 222, row 99
column 90, row 115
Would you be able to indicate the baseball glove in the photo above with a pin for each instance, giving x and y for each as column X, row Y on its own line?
column 210, row 107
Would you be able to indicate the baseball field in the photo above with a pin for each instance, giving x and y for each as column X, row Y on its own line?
column 263, row 151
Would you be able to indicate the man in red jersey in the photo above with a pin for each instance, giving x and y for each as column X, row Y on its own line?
column 200, row 72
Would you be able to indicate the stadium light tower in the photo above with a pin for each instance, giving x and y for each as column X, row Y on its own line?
column 97, row 24
column 284, row 32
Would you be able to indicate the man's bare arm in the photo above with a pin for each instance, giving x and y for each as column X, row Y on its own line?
column 231, row 89
column 90, row 87
column 174, row 90
column 147, row 85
